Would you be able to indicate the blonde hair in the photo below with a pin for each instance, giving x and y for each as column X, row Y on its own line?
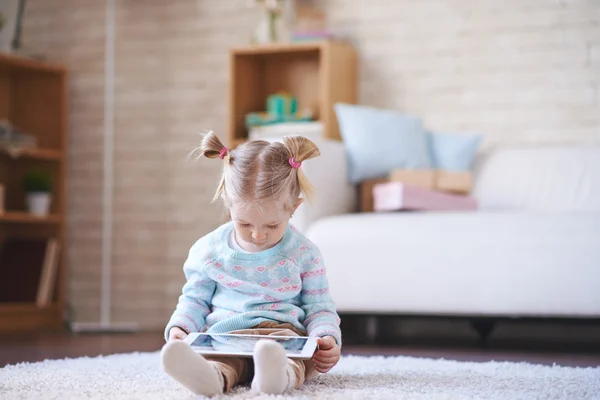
column 259, row 170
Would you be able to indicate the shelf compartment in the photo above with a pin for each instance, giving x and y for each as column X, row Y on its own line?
column 318, row 74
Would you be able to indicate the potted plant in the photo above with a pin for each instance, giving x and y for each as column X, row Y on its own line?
column 38, row 187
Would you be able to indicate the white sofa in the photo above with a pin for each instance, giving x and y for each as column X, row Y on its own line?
column 531, row 250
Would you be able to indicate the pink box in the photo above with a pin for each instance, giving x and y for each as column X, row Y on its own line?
column 393, row 196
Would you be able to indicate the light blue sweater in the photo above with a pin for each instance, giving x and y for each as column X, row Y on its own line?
column 228, row 290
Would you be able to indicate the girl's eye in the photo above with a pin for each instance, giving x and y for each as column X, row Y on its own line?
column 245, row 225
column 272, row 226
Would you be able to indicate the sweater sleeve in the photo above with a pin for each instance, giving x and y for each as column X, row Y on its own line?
column 194, row 302
column 321, row 317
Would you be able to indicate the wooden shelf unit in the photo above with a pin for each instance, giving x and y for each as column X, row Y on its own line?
column 33, row 97
column 318, row 74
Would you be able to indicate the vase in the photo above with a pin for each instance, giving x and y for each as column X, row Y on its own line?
column 274, row 25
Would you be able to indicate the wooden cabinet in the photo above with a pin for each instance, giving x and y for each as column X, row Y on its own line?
column 318, row 74
column 33, row 98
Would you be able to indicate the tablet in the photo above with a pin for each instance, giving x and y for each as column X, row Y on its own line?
column 234, row 345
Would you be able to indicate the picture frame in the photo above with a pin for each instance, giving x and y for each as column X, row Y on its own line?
column 11, row 15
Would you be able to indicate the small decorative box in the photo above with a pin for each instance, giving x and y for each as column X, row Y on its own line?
column 395, row 196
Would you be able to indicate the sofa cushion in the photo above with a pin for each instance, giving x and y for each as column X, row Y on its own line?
column 452, row 151
column 560, row 178
column 482, row 263
column 378, row 141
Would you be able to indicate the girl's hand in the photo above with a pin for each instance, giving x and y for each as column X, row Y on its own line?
column 176, row 333
column 328, row 354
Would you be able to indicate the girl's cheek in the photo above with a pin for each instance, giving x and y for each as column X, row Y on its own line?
column 242, row 233
column 280, row 233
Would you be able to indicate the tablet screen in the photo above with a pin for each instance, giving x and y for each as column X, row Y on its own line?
column 245, row 343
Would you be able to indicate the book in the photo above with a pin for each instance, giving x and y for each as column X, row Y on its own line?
column 47, row 281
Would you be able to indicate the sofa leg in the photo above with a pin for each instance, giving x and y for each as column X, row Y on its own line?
column 483, row 327
column 372, row 329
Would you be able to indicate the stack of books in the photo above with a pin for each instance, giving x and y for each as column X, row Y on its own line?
column 310, row 24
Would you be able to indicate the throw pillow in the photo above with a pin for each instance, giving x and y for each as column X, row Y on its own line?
column 378, row 141
column 453, row 152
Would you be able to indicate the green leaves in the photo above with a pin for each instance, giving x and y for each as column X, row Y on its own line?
column 37, row 180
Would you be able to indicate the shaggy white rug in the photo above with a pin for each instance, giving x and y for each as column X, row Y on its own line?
column 139, row 376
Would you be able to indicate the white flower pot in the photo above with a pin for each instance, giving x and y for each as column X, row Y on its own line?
column 38, row 203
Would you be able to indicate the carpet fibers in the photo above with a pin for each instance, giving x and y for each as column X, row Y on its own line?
column 139, row 376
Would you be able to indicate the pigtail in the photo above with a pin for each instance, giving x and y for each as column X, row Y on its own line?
column 212, row 147
column 301, row 149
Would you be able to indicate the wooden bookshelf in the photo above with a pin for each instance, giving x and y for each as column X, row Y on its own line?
column 33, row 97
column 319, row 74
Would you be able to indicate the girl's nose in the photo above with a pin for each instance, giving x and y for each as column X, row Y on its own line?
column 258, row 236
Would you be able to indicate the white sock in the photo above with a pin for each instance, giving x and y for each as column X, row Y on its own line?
column 191, row 369
column 272, row 373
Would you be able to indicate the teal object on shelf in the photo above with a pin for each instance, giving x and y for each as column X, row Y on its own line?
column 282, row 104
column 261, row 118
column 281, row 107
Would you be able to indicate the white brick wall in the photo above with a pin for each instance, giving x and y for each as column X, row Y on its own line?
column 517, row 71
column 74, row 35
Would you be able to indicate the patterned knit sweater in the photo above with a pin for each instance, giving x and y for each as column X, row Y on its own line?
column 228, row 290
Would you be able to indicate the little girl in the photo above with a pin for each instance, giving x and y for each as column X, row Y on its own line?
column 255, row 275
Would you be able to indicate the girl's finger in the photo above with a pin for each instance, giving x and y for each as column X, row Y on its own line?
column 325, row 365
column 326, row 354
column 329, row 360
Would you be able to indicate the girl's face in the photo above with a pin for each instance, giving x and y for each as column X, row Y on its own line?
column 259, row 228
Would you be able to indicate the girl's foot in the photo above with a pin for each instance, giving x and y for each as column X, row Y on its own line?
column 191, row 369
column 272, row 373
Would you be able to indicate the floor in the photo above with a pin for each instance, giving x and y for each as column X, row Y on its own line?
column 32, row 348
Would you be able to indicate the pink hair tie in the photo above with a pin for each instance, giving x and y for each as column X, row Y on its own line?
column 223, row 152
column 295, row 164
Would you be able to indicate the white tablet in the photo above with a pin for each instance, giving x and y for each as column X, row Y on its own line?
column 232, row 345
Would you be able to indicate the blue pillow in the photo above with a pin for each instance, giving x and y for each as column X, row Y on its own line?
column 453, row 152
column 378, row 141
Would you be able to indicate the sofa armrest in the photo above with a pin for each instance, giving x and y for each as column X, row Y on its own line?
column 333, row 194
